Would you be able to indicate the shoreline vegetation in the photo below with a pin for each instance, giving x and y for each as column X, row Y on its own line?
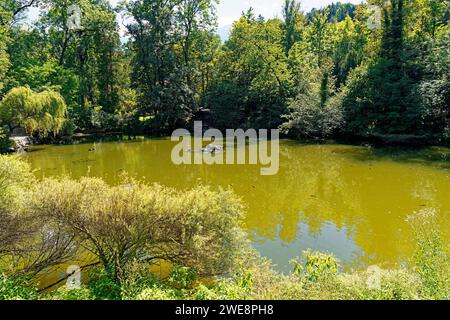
column 196, row 233
column 339, row 72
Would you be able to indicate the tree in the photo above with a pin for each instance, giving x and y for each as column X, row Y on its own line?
column 292, row 16
column 317, row 32
column 4, row 40
column 172, row 50
column 39, row 113
column 434, row 87
column 335, row 12
column 382, row 99
column 254, row 63
column 427, row 17
column 87, row 61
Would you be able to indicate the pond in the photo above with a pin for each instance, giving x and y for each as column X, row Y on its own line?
column 348, row 200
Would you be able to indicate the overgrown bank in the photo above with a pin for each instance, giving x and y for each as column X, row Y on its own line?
column 130, row 227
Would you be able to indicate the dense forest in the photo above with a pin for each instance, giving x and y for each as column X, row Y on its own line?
column 335, row 71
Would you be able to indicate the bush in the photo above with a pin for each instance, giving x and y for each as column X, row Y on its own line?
column 16, row 289
column 156, row 293
column 15, row 177
column 197, row 228
column 70, row 294
column 102, row 286
column 432, row 257
column 317, row 266
column 29, row 244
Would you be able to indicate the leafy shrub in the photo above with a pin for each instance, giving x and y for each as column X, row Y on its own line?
column 202, row 292
column 138, row 278
column 102, row 286
column 317, row 265
column 432, row 258
column 182, row 277
column 15, row 176
column 156, row 293
column 70, row 294
column 197, row 228
column 16, row 289
column 29, row 244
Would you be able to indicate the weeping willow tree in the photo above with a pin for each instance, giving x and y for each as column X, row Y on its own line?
column 39, row 113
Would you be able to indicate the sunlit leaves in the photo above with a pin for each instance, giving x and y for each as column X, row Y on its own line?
column 39, row 113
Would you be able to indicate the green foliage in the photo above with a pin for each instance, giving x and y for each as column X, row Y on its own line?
column 156, row 293
column 171, row 59
column 15, row 177
column 316, row 266
column 292, row 17
column 70, row 294
column 432, row 257
column 174, row 69
column 182, row 277
column 5, row 143
column 253, row 78
column 39, row 113
column 316, row 112
column 4, row 40
column 16, row 289
column 102, row 286
column 336, row 12
column 198, row 228
column 306, row 120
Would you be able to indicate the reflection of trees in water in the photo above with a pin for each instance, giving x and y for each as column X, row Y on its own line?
column 310, row 183
column 367, row 197
column 371, row 199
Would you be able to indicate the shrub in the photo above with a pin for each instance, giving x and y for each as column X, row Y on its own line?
column 70, row 294
column 15, row 176
column 156, row 293
column 197, row 228
column 138, row 277
column 102, row 286
column 432, row 258
column 316, row 265
column 16, row 289
column 182, row 277
column 28, row 243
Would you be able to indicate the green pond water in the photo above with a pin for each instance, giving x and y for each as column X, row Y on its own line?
column 348, row 200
